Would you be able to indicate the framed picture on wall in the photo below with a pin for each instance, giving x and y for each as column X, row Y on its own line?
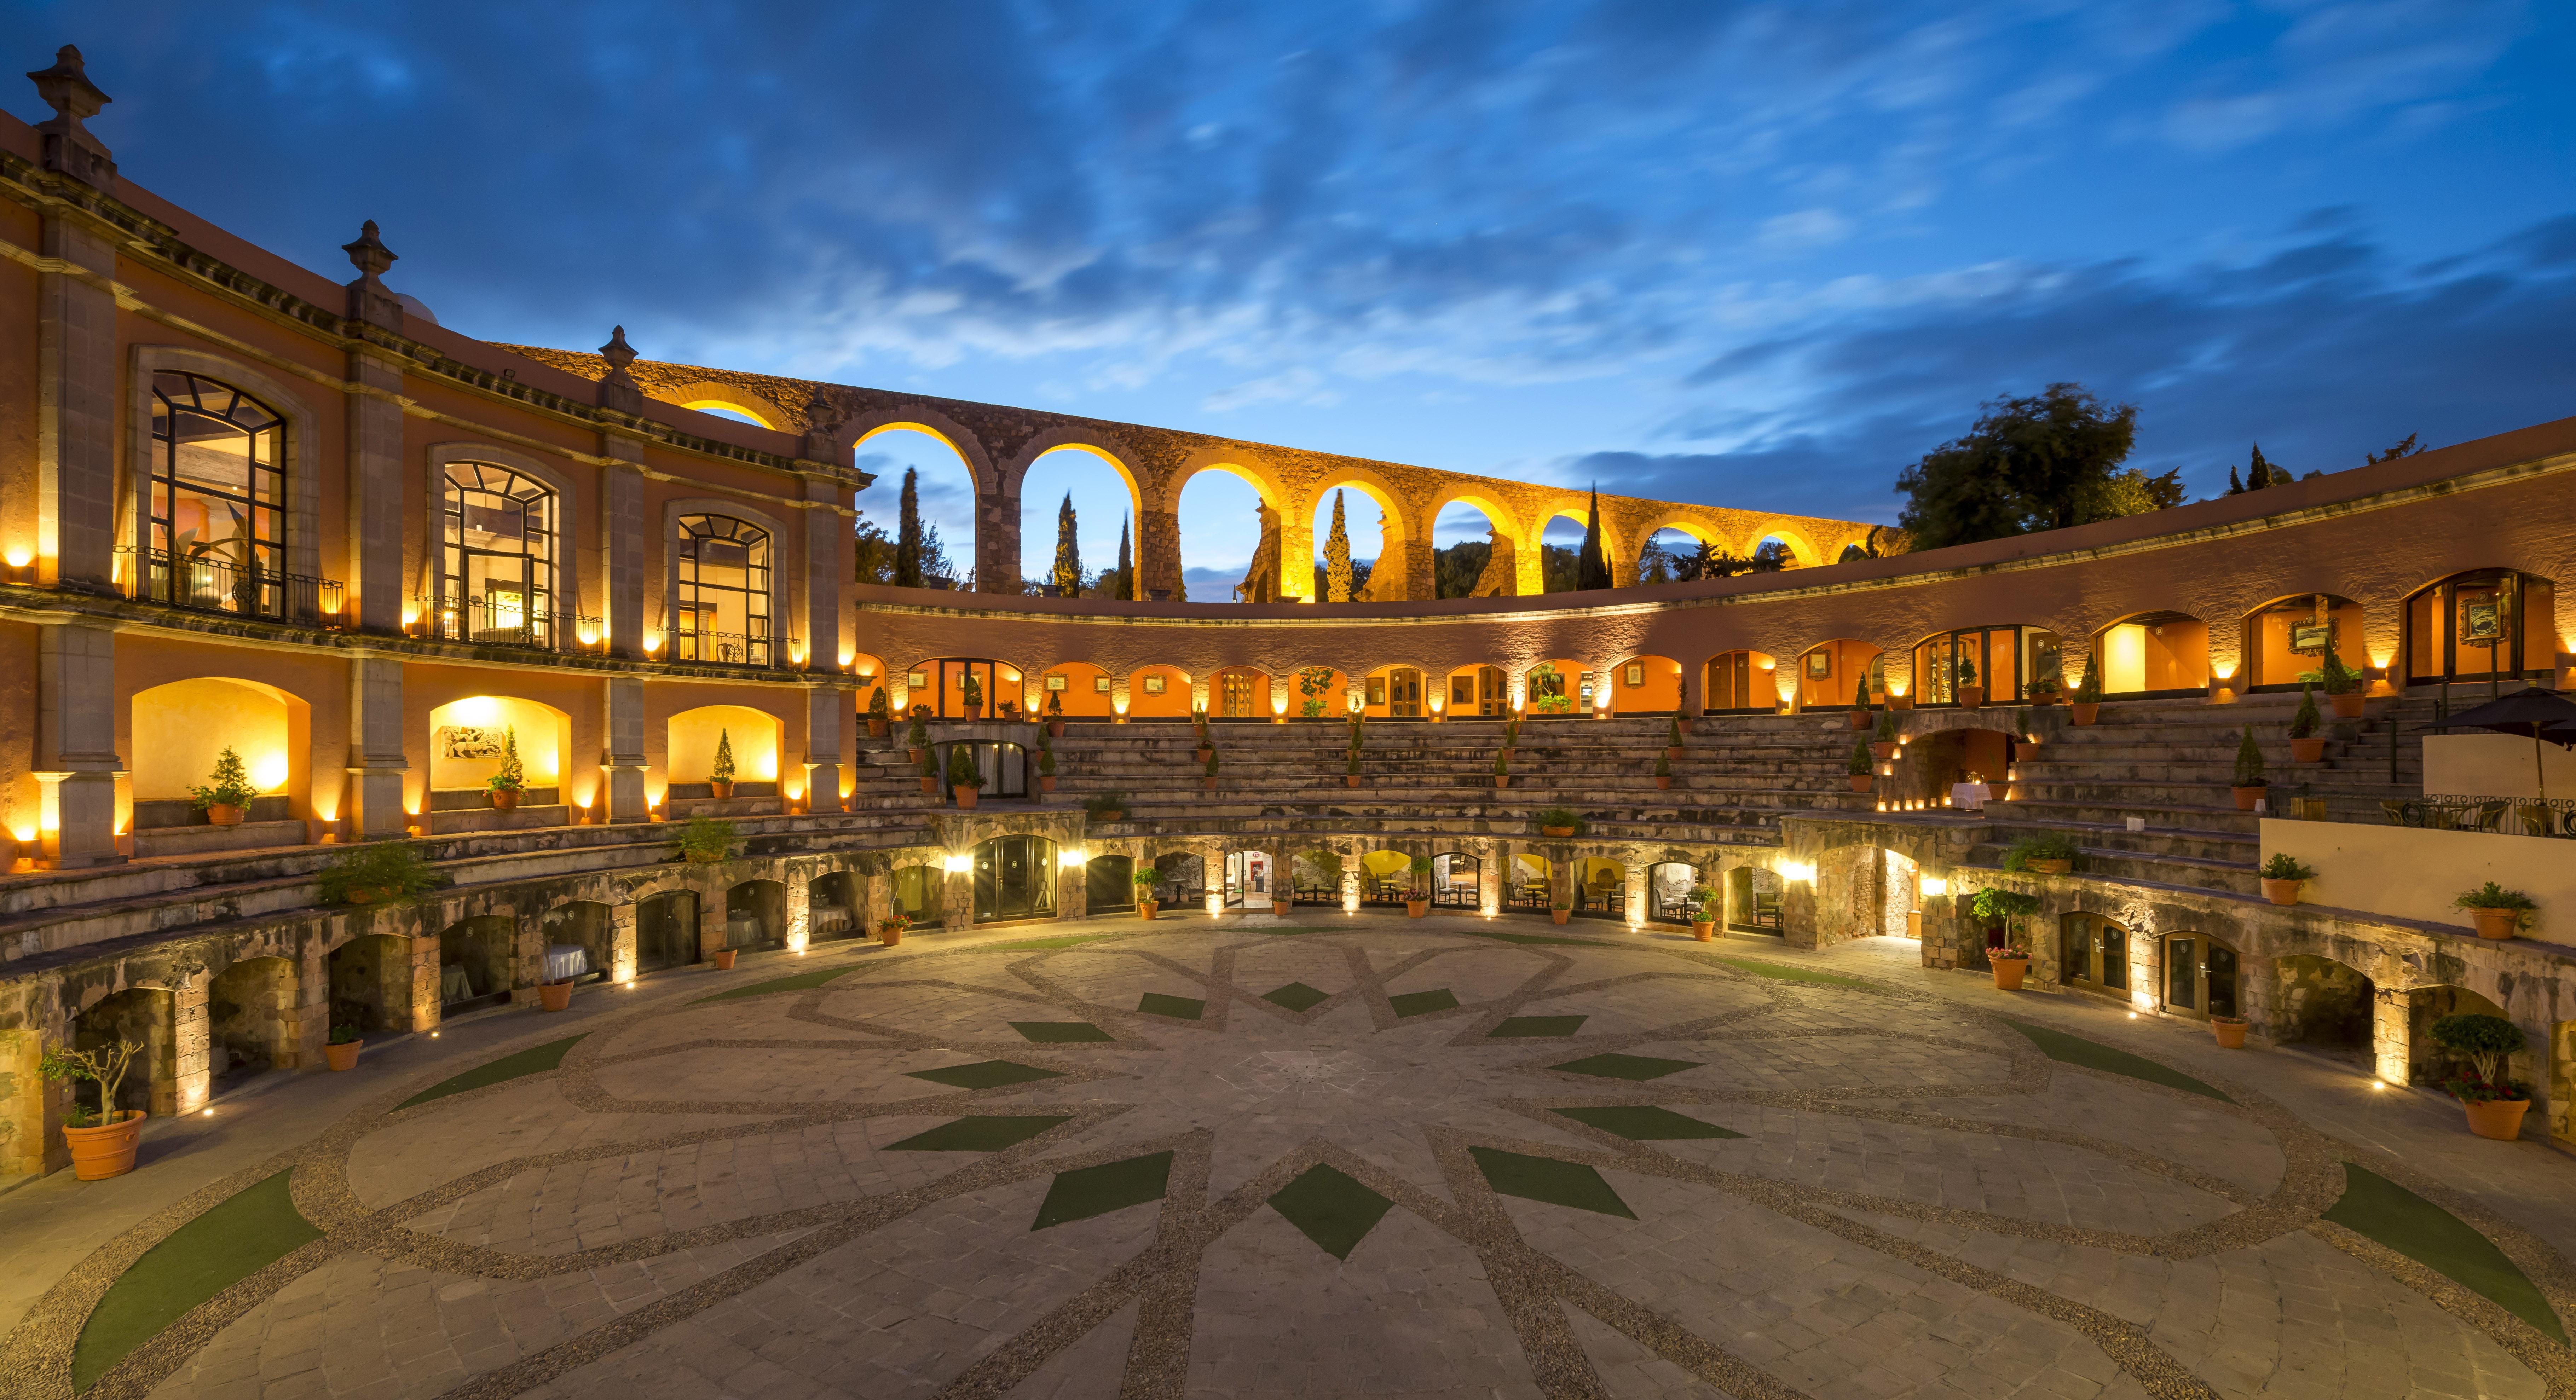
column 1055, row 682
column 1636, row 675
column 1153, row 685
column 2481, row 621
column 918, row 680
column 1820, row 665
column 2310, row 637
column 1100, row 685
column 1377, row 690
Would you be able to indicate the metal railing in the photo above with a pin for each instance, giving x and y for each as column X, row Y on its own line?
column 508, row 624
column 729, row 649
column 209, row 584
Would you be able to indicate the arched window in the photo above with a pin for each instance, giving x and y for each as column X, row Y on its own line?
column 496, row 580
column 2487, row 625
column 218, row 500
column 722, row 613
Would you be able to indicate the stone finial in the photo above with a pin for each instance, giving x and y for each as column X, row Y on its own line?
column 69, row 147
column 617, row 388
column 369, row 255
column 618, row 353
column 369, row 301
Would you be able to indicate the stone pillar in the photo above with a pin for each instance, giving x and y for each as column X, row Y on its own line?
column 1158, row 555
column 191, row 1045
column 304, row 1023
column 622, row 763
column 997, row 542
column 1636, row 896
column 1420, row 576
column 827, row 570
column 1297, row 559
column 527, row 961
column 876, row 895
column 76, row 382
column 800, row 904
column 375, row 563
column 2392, row 1034
column 621, row 943
column 621, row 538
column 1529, row 567
column 377, row 764
column 422, row 956
column 24, row 1120
column 824, row 707
column 956, row 896
column 76, row 761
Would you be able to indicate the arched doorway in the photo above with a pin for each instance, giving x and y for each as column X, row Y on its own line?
column 2153, row 654
column 1558, row 687
column 1004, row 768
column 2002, row 661
column 1075, row 690
column 1315, row 877
column 1753, row 900
column 2324, row 1006
column 1646, row 685
column 756, row 915
column 475, row 963
column 580, row 941
column 371, row 984
column 2485, row 625
column 942, row 685
column 1741, row 682
column 918, row 892
column 1014, row 879
column 1160, row 692
column 143, row 1016
column 2093, row 955
column 1839, row 674
column 666, row 930
column 250, row 1009
column 1457, row 881
column 1600, row 888
column 2201, row 976
column 1532, row 875
column 2286, row 641
column 1180, row 878
column 1479, row 691
column 1394, row 692
column 1240, row 692
column 1947, row 757
column 1247, row 880
column 1384, row 877
column 1668, row 887
column 831, row 907
column 1109, row 884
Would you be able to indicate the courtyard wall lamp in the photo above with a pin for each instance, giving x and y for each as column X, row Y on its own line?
column 958, row 865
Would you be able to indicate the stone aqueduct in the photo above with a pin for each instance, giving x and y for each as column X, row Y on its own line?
column 998, row 444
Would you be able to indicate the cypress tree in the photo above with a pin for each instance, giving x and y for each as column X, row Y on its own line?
column 2235, row 486
column 1337, row 558
column 2261, row 473
column 1126, row 567
column 1068, row 554
column 907, row 543
column 1593, row 569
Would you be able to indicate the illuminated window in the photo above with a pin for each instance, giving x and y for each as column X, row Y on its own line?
column 218, row 498
column 497, row 566
column 722, row 612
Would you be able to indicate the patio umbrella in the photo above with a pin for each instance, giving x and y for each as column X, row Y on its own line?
column 2542, row 714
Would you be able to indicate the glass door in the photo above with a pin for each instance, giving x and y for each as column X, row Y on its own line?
column 666, row 931
column 1404, row 694
column 1014, row 879
column 2201, row 977
column 2094, row 954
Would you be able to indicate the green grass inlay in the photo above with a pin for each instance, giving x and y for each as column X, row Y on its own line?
column 1331, row 1208
column 1296, row 996
column 800, row 982
column 536, row 1059
column 237, row 1238
column 1301, row 928
column 1530, row 938
column 1792, row 974
column 1183, row 1008
column 979, row 1134
column 1632, row 1067
column 1067, row 941
column 2373, row 1205
column 983, row 1074
column 1547, row 1179
column 1423, row 1003
column 1535, row 1027
column 1060, row 1032
column 1646, row 1123
column 2076, row 1050
column 1088, row 1191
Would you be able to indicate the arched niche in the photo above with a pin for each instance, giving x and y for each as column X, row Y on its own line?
column 469, row 737
column 1083, row 690
column 1646, row 685
column 1240, row 692
column 2153, row 653
column 2286, row 640
column 1159, row 692
column 1838, row 674
column 180, row 729
column 2484, row 625
column 1740, row 682
column 1315, row 692
column 694, row 735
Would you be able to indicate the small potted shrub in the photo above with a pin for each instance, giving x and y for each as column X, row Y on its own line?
column 720, row 778
column 2494, row 1103
column 2343, row 686
column 1351, row 770
column 2497, row 910
column 880, row 713
column 706, row 840
column 1145, row 879
column 2306, row 745
column 2008, row 907
column 1561, row 908
column 341, row 1050
column 929, row 769
column 2088, row 692
column 1502, row 772
column 916, row 738
column 2026, row 745
column 2251, row 783
column 1859, row 765
column 1858, row 715
column 507, row 783
column 1558, row 821
column 2282, row 875
column 2228, row 1031
column 2048, row 853
column 103, row 1144
column 1664, row 773
column 1703, row 901
column 380, row 872
column 1417, row 901
column 1046, row 766
column 1511, row 738
column 1970, row 694
column 1207, row 777
column 1884, row 746
column 1106, row 807
column 974, row 696
column 890, row 928
column 964, row 778
column 227, row 798
column 1055, row 714
column 1673, row 738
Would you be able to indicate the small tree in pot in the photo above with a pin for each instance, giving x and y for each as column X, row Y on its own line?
column 1145, row 878
column 1663, row 773
column 1511, row 737
column 2497, row 910
column 1673, row 738
column 1703, row 902
column 973, row 693
column 707, row 841
column 1207, row 779
column 929, row 769
column 1859, row 765
column 2009, row 908
column 2494, row 1103
column 1502, row 772
column 511, row 779
column 1561, row 908
column 1557, row 821
column 917, row 737
column 103, row 1146
column 1106, row 807
column 1417, row 901
column 1970, row 694
column 2088, row 691
column 720, row 778
column 1046, row 766
column 228, row 796
column 2251, row 782
column 964, row 778
column 880, row 713
column 1055, row 714
column 2282, row 876
column 1351, row 770
column 340, row 1051
column 2343, row 686
column 1884, row 746
column 2306, row 745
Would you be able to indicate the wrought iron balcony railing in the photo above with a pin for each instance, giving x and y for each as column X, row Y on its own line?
column 208, row 583
column 728, row 648
column 505, row 622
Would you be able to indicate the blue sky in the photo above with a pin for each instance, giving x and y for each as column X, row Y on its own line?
column 1757, row 254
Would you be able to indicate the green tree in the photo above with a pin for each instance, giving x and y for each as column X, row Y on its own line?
column 1594, row 569
column 2028, row 464
column 1125, row 588
column 1337, row 558
column 873, row 552
column 1068, row 554
column 907, row 545
column 2406, row 447
column 1454, row 570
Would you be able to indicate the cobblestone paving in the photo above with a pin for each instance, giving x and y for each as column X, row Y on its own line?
column 720, row 1199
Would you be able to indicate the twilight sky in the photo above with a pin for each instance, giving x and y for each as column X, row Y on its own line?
column 1752, row 254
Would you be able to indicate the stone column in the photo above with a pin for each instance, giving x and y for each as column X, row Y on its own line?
column 24, row 1122
column 800, row 905
column 1528, row 566
column 997, row 542
column 1636, row 895
column 377, row 763
column 827, row 539
column 374, row 570
column 304, row 1025
column 956, row 897
column 76, row 761
column 622, row 764
column 191, row 1044
column 422, row 953
column 2392, row 1034
column 621, row 539
column 621, row 943
column 1158, row 555
column 76, row 405
column 528, row 960
column 824, row 707
column 876, row 895
column 1296, row 562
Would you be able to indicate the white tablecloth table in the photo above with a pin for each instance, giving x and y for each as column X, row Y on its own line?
column 1970, row 797
column 565, row 960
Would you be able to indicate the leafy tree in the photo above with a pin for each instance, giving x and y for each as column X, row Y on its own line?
column 231, row 785
column 1068, row 554
column 1337, row 558
column 1558, row 568
column 2028, row 464
column 907, row 547
column 1769, row 557
column 874, row 553
column 1594, row 570
column 2407, row 447
column 1655, row 564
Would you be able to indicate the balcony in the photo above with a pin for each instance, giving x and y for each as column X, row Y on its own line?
column 505, row 622
column 729, row 649
column 206, row 583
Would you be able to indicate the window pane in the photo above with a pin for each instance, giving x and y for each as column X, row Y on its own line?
column 2182, row 956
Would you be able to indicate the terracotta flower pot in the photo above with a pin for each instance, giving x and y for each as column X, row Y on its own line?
column 2230, row 1031
column 876, row 727
column 2247, row 797
column 974, row 712
column 505, row 799
column 929, row 783
column 1704, row 931
column 555, row 996
column 220, row 814
column 2009, row 968
column 1114, row 814
column 2024, row 753
column 2049, row 867
column 1556, row 831
column 1673, row 751
column 1884, row 753
column 1860, row 782
column 105, row 1151
column 1972, row 697
column 1046, row 782
column 724, row 959
column 344, row 1056
column 2500, row 1119
column 1560, row 915
column 2496, row 923
column 889, row 936
column 1900, row 702
column 2307, row 750
column 1416, row 908
column 1506, row 754
column 1353, row 780
column 1203, row 753
column 2346, row 706
column 1664, row 782
column 915, row 759
column 1859, row 719
column 720, row 790
column 1055, row 729
column 966, row 797
column 2084, row 713
column 2282, row 891
column 1145, row 908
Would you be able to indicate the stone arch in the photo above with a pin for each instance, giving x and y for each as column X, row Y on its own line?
column 1088, row 441
column 1658, row 686
column 1615, row 549
column 371, row 983
column 1801, row 548
column 1400, row 536
column 1330, row 690
column 175, row 730
column 464, row 751
column 700, row 395
column 755, row 735
column 586, row 924
column 1688, row 522
column 2323, row 1003
column 1501, row 519
column 921, row 418
column 2268, row 654
column 2147, row 653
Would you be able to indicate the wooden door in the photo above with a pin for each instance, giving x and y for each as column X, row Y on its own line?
column 1404, row 694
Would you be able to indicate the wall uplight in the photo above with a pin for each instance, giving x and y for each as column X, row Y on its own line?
column 958, row 865
column 1797, row 870
column 1073, row 857
column 589, row 636
column 1935, row 885
column 652, row 642
column 19, row 556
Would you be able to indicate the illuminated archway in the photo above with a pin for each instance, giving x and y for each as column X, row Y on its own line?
column 1646, row 685
column 1389, row 562
column 2286, row 640
column 1740, row 681
column 1104, row 503
column 1841, row 672
column 467, row 740
column 179, row 730
column 1464, row 566
column 694, row 735
column 2153, row 653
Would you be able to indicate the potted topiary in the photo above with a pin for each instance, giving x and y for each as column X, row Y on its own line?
column 1859, row 765
column 1562, row 907
column 1511, row 738
column 228, row 797
column 1145, row 879
column 917, row 738
column 1207, row 778
column 929, row 761
column 1557, row 821
column 706, row 841
column 1673, row 738
column 2306, row 745
column 880, row 713
column 1055, row 714
column 2088, row 691
column 102, row 1146
column 890, row 928
column 2282, row 875
column 511, row 779
column 2025, row 744
column 2494, row 1103
column 964, row 778
column 1858, row 715
column 1350, row 770
column 1664, row 773
column 1502, row 772
column 2251, row 783
column 1970, row 694
column 2343, row 686
column 1417, row 901
column 973, row 692
column 2498, row 911
column 1885, row 746
column 2047, row 853
column 720, row 778
column 1703, row 903
column 1046, row 766
column 1107, row 807
column 2008, row 907
column 341, row 1050
column 380, row 872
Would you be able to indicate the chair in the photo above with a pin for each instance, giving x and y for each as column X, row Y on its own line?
column 2441, row 818
column 2537, row 820
column 2400, row 813
column 2490, row 816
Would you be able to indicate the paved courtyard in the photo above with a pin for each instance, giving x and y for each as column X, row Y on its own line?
column 1320, row 1157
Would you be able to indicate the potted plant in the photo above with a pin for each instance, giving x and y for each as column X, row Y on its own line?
column 1557, row 821
column 1859, row 765
column 1055, row 714
column 2088, row 691
column 1703, row 902
column 2306, row 745
column 1502, row 772
column 964, row 778
column 890, row 928
column 1106, row 807
column 1971, row 695
column 724, row 958
column 1511, row 738
column 1884, row 746
column 2008, row 907
column 974, row 696
column 555, row 995
column 1145, row 879
column 1046, row 766
column 706, row 840
column 1351, row 770
column 228, row 797
column 341, row 1050
column 2343, row 686
column 1207, row 778
column 929, row 770
column 1673, row 738
column 2251, row 783
column 380, row 872
column 2229, row 1031
column 2494, row 1104
column 1562, row 907
column 102, row 1146
column 2047, row 853
column 880, row 713
column 720, row 778
column 2282, row 875
column 507, row 783
column 2026, row 745
column 917, row 738
column 1664, row 772
column 1858, row 715
column 2498, row 911
column 1417, row 901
